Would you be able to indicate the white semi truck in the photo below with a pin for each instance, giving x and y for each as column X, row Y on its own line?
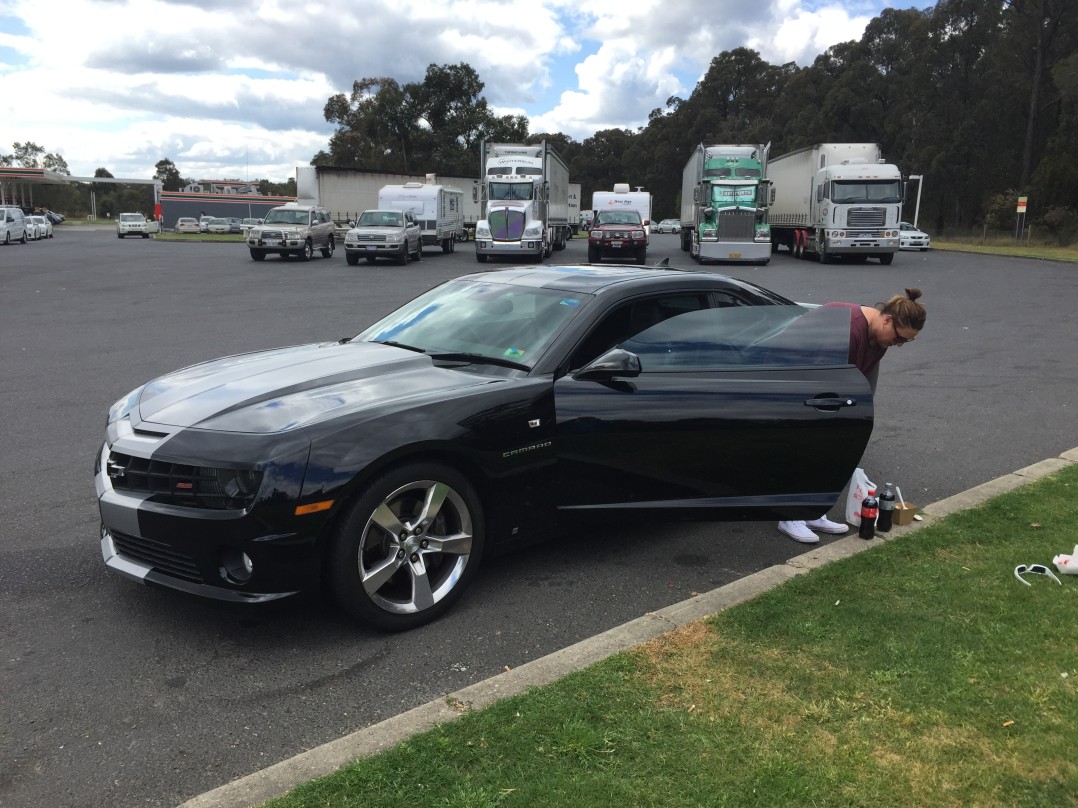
column 725, row 196
column 622, row 198
column 524, row 195
column 837, row 201
column 439, row 210
column 574, row 207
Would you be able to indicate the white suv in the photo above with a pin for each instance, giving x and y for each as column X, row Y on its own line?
column 293, row 229
column 12, row 225
column 134, row 224
column 384, row 234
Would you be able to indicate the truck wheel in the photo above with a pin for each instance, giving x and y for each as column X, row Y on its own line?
column 642, row 257
column 418, row 250
column 327, row 251
column 351, row 258
column 887, row 258
column 686, row 239
column 258, row 255
column 593, row 255
column 452, row 245
column 402, row 259
column 307, row 253
column 445, row 246
column 482, row 259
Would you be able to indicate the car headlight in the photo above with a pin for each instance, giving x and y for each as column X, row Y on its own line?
column 482, row 231
column 123, row 407
column 595, row 234
column 638, row 234
column 533, row 232
column 395, row 237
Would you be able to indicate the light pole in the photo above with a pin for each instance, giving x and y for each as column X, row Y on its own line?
column 917, row 209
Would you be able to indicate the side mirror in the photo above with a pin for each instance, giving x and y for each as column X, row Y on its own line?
column 614, row 364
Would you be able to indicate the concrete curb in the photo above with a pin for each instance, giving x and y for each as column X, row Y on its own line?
column 256, row 788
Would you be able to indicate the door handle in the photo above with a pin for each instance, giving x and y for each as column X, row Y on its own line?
column 830, row 403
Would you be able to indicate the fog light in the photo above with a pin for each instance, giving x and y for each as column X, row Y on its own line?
column 236, row 567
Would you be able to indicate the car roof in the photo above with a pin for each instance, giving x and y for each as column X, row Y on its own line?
column 589, row 279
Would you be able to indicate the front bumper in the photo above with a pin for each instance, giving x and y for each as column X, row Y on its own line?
column 488, row 246
column 735, row 250
column 276, row 244
column 378, row 248
column 852, row 243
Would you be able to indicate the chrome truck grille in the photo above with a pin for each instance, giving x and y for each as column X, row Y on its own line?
column 736, row 225
column 866, row 217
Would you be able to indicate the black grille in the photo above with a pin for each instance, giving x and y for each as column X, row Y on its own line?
column 181, row 484
column 158, row 555
column 737, row 226
column 277, row 234
column 866, row 217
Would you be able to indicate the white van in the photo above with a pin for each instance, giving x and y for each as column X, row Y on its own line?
column 12, row 225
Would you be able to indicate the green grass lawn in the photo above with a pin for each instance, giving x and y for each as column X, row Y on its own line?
column 1069, row 254
column 920, row 673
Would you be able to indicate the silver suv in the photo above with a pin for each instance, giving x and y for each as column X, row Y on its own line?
column 292, row 229
column 384, row 234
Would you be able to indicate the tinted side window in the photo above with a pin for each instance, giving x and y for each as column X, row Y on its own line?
column 743, row 337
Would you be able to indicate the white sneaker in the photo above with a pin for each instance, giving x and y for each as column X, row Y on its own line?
column 798, row 531
column 825, row 525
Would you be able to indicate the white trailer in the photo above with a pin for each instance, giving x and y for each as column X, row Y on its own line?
column 837, row 200
column 439, row 210
column 574, row 207
column 622, row 198
column 524, row 193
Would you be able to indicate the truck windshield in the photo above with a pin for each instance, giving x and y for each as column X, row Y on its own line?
column 723, row 196
column 724, row 172
column 847, row 191
column 285, row 216
column 510, row 190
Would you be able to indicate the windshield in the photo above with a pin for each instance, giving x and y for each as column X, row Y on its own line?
column 488, row 319
column 847, row 191
column 724, row 196
column 286, row 216
column 380, row 218
column 131, row 217
column 619, row 217
column 510, row 190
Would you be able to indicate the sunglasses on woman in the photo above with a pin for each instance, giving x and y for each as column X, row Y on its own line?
column 899, row 339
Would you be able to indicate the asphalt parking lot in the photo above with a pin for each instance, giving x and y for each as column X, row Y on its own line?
column 120, row 695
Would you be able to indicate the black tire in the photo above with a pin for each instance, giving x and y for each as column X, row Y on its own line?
column 118, row 235
column 7, row 239
column 482, row 259
column 258, row 255
column 887, row 258
column 445, row 245
column 327, row 251
column 307, row 253
column 402, row 259
column 145, row 235
column 642, row 257
column 418, row 254
column 370, row 259
column 593, row 255
column 452, row 245
column 408, row 547
column 351, row 258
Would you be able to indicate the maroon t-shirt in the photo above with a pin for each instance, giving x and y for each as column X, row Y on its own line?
column 862, row 353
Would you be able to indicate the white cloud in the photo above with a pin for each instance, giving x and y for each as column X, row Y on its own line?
column 238, row 90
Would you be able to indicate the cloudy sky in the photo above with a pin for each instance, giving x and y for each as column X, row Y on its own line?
column 237, row 89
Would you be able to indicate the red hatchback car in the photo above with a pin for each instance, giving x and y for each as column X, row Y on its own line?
column 617, row 234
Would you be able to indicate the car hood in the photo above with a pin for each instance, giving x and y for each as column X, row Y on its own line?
column 288, row 388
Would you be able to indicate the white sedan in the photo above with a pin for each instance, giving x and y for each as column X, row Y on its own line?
column 187, row 224
column 667, row 226
column 217, row 226
column 910, row 238
column 33, row 231
column 44, row 226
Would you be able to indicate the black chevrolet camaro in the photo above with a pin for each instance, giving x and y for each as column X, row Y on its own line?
column 484, row 413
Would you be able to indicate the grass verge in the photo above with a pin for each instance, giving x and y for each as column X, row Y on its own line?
column 919, row 673
column 1067, row 254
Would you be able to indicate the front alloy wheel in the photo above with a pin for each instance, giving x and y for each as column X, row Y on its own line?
column 410, row 545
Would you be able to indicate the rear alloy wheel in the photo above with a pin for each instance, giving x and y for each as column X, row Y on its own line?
column 408, row 548
column 327, row 251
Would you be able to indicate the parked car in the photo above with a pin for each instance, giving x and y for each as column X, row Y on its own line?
column 204, row 223
column 235, row 225
column 667, row 226
column 132, row 224
column 384, row 234
column 53, row 217
column 218, row 225
column 910, row 238
column 293, row 229
column 12, row 225
column 617, row 234
column 33, row 231
column 488, row 411
column 44, row 226
column 247, row 224
column 187, row 224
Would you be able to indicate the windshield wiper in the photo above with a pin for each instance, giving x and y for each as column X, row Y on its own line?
column 395, row 344
column 480, row 359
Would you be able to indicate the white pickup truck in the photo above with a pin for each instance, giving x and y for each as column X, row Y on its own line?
column 384, row 234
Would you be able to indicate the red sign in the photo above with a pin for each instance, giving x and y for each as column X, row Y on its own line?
column 1022, row 204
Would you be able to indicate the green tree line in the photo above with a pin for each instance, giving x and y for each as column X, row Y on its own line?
column 979, row 97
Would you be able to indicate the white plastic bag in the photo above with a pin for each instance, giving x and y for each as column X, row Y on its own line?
column 859, row 488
